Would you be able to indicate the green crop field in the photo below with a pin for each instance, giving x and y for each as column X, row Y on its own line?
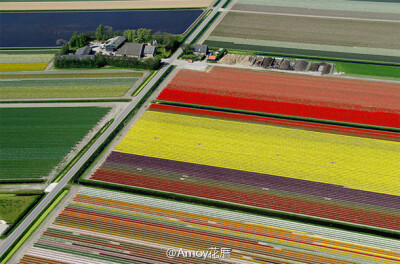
column 12, row 206
column 34, row 140
column 67, row 84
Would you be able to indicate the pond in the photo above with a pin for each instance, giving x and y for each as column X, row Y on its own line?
column 50, row 29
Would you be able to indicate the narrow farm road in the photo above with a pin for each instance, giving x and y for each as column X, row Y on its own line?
column 8, row 242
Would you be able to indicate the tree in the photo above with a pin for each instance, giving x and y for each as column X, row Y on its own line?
column 73, row 40
column 188, row 49
column 117, row 33
column 148, row 33
column 170, row 42
column 141, row 34
column 100, row 32
column 64, row 49
column 133, row 35
column 127, row 34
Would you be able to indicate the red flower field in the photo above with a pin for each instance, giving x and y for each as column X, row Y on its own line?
column 329, row 98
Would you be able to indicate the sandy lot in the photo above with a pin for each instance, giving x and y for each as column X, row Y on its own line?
column 92, row 5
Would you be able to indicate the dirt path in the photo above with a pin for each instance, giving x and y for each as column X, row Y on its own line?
column 50, row 65
column 95, row 5
column 136, row 84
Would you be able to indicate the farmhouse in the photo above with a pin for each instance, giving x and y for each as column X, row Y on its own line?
column 131, row 50
column 149, row 51
column 114, row 43
column 200, row 49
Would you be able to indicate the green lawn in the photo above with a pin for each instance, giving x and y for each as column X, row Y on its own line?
column 357, row 69
column 34, row 140
column 12, row 207
column 68, row 84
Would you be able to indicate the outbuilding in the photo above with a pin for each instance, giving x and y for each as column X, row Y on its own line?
column 149, row 51
column 86, row 50
column 200, row 49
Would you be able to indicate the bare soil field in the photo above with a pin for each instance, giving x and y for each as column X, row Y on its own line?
column 98, row 5
column 329, row 31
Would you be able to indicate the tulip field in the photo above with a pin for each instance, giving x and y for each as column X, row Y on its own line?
column 67, row 84
column 25, row 60
column 327, row 98
column 324, row 175
column 100, row 226
column 34, row 140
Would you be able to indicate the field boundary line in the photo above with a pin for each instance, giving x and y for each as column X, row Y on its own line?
column 314, row 16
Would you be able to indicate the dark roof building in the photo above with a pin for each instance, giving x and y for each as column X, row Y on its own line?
column 86, row 50
column 149, row 51
column 131, row 50
column 114, row 43
column 200, row 49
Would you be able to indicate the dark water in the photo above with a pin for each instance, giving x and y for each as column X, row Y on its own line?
column 48, row 29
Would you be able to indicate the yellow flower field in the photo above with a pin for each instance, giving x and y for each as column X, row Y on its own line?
column 359, row 163
column 9, row 67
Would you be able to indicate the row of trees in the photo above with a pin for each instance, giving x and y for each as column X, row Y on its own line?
column 99, row 60
column 105, row 32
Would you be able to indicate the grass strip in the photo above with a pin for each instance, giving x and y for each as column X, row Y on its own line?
column 196, row 26
column 21, row 181
column 17, row 244
column 66, row 101
column 130, row 115
column 279, row 116
column 245, row 209
column 83, row 151
column 201, row 33
column 144, row 83
column 226, row 3
column 217, row 3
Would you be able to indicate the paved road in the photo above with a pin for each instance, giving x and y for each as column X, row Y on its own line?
column 64, row 181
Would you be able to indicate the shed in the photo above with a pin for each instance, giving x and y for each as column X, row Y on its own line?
column 200, row 49
column 86, row 50
column 131, row 50
column 212, row 58
column 149, row 51
column 114, row 43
